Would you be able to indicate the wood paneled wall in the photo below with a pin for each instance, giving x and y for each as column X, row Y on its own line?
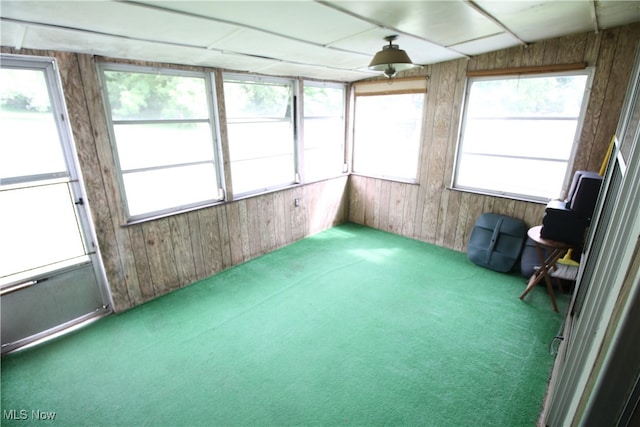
column 430, row 210
column 146, row 260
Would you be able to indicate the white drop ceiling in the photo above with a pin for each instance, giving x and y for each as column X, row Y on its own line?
column 326, row 40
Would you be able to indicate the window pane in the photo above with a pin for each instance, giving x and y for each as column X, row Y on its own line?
column 323, row 132
column 387, row 135
column 530, row 138
column 519, row 133
column 30, row 143
column 145, row 96
column 151, row 145
column 163, row 189
column 261, row 137
column 38, row 226
column 262, row 173
column 542, row 96
column 514, row 177
column 253, row 100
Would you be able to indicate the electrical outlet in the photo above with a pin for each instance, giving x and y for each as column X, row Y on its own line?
column 296, row 202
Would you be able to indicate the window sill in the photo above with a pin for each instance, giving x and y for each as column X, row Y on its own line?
column 520, row 198
column 388, row 178
column 137, row 221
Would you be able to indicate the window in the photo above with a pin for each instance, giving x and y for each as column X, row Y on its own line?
column 518, row 134
column 261, row 131
column 163, row 132
column 39, row 225
column 388, row 128
column 323, row 130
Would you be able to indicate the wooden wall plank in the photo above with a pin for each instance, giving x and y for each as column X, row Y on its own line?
column 409, row 210
column 451, row 216
column 425, row 155
column 253, row 227
column 461, row 237
column 162, row 263
column 143, row 269
column 280, row 218
column 357, row 189
column 385, row 197
column 196, row 244
column 223, row 232
column 370, row 201
column 210, row 232
column 267, row 231
column 397, row 197
column 238, row 255
column 298, row 215
column 182, row 249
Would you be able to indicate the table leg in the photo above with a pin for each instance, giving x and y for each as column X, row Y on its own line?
column 543, row 272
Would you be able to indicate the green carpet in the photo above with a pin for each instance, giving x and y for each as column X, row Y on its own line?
column 349, row 326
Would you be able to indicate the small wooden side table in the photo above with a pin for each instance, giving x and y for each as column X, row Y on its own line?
column 558, row 249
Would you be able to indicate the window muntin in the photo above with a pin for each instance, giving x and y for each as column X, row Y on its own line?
column 261, row 133
column 323, row 130
column 387, row 135
column 518, row 134
column 163, row 132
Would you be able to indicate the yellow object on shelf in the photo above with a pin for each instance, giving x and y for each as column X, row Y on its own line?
column 566, row 259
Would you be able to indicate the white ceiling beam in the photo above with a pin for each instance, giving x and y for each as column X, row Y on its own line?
column 594, row 16
column 236, row 24
column 164, row 43
column 496, row 21
column 386, row 27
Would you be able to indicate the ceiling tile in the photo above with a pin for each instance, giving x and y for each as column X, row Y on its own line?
column 442, row 22
column 120, row 19
column 303, row 20
column 615, row 13
column 317, row 73
column 271, row 46
column 541, row 19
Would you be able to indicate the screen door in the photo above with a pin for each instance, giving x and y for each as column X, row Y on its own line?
column 50, row 276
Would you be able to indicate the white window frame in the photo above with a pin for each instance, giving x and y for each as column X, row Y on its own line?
column 305, row 151
column 381, row 88
column 295, row 123
column 212, row 120
column 588, row 72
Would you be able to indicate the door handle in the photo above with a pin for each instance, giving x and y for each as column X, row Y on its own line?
column 19, row 286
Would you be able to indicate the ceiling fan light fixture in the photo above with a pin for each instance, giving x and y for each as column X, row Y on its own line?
column 391, row 59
